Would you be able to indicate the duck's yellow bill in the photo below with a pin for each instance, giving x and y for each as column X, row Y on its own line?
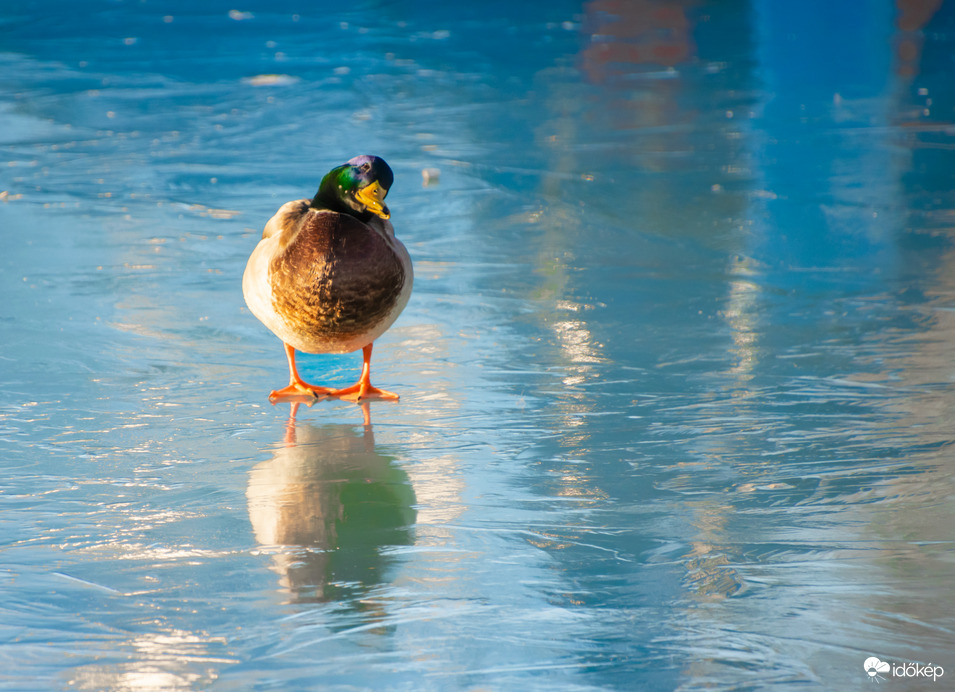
column 373, row 196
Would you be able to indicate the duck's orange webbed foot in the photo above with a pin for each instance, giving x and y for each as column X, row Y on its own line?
column 363, row 391
column 299, row 391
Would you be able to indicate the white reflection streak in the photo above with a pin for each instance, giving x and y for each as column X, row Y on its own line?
column 437, row 480
column 740, row 314
column 438, row 489
column 577, row 345
column 173, row 660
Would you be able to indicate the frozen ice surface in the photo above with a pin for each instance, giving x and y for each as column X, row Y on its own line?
column 676, row 378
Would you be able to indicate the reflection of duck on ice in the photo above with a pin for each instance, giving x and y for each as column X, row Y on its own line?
column 326, row 503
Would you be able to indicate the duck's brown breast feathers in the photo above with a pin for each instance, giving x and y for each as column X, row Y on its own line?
column 336, row 277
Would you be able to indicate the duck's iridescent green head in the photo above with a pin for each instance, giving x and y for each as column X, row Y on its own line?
column 357, row 188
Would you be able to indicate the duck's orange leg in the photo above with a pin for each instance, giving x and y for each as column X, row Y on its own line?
column 363, row 389
column 296, row 386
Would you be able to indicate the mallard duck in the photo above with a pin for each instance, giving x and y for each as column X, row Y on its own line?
column 329, row 276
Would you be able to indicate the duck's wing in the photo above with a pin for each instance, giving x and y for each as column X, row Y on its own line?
column 286, row 218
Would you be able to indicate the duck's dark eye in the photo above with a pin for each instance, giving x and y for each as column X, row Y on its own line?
column 365, row 167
